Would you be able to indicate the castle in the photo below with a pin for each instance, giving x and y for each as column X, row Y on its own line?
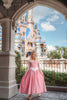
column 27, row 36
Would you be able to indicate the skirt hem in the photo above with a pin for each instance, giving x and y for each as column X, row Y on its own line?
column 33, row 93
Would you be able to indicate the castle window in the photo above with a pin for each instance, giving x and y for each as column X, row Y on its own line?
column 23, row 33
column 31, row 45
column 23, row 42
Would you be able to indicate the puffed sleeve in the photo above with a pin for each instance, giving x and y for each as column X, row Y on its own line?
column 28, row 65
column 40, row 68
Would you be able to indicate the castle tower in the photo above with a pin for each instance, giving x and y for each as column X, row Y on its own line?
column 30, row 17
column 18, row 41
column 27, row 37
column 45, row 47
column 0, row 37
column 23, row 32
column 23, row 18
column 38, row 41
column 30, row 20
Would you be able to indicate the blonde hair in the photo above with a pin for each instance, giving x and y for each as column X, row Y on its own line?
column 32, row 53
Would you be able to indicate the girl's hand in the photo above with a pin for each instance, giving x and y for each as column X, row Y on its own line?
column 43, row 75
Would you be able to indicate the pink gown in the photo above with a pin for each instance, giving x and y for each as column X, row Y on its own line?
column 33, row 81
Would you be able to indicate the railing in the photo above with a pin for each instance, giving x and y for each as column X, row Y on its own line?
column 51, row 65
column 54, row 65
column 55, row 71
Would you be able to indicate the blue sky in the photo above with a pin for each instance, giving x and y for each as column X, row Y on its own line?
column 52, row 25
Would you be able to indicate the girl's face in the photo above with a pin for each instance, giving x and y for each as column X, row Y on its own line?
column 33, row 55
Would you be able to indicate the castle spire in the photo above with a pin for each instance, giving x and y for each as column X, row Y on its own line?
column 30, row 17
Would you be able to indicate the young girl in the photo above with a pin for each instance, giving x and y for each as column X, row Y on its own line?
column 33, row 80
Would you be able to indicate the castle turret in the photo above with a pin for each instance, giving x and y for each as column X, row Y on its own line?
column 35, row 26
column 38, row 41
column 28, row 35
column 43, row 48
column 30, row 20
column 18, row 41
column 30, row 17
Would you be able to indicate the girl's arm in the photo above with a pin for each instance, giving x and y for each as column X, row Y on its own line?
column 28, row 66
column 40, row 69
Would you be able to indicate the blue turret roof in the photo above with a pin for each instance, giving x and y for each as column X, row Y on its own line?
column 44, row 42
column 23, row 23
column 38, row 30
column 27, row 32
column 35, row 44
column 18, row 33
column 23, row 42
column 38, row 41
column 17, row 38
column 29, row 53
column 18, row 29
column 38, row 33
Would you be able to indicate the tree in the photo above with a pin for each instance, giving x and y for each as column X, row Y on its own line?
column 65, row 53
column 57, row 55
column 57, row 47
column 18, row 62
column 54, row 55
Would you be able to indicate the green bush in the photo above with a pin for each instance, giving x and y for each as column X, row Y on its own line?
column 50, row 77
column 65, row 55
column 18, row 62
column 54, row 55
column 19, row 76
column 54, row 78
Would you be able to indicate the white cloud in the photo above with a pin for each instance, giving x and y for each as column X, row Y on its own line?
column 37, row 19
column 62, row 22
column 55, row 12
column 53, row 18
column 48, row 27
column 40, row 12
column 50, row 48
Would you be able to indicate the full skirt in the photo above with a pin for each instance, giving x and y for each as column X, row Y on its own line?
column 32, row 83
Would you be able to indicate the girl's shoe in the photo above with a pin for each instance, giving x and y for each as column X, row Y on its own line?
column 30, row 98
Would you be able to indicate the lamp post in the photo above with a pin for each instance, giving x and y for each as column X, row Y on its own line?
column 19, row 48
column 62, row 53
column 42, row 46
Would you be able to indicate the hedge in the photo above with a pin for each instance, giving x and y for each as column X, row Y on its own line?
column 50, row 78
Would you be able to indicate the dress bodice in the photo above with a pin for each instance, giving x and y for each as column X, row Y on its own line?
column 33, row 64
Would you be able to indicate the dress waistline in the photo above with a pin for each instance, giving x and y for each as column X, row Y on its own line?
column 34, row 69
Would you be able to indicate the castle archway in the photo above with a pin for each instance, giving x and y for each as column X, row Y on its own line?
column 54, row 4
column 8, row 86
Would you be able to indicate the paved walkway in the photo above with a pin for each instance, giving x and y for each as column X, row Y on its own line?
column 50, row 95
